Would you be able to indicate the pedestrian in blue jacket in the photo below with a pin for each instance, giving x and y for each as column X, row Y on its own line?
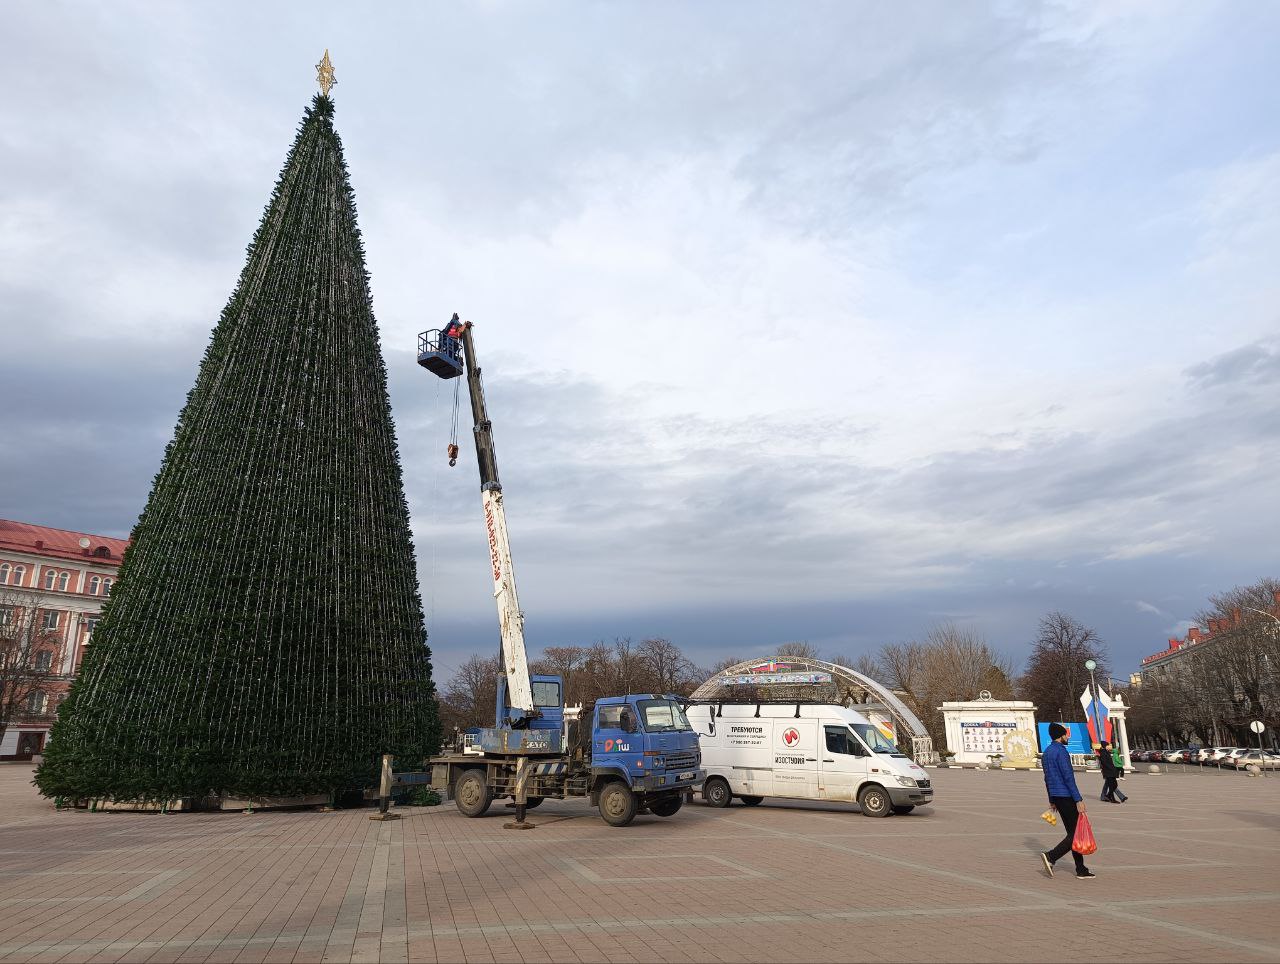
column 1064, row 796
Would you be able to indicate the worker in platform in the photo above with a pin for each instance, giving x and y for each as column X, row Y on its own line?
column 449, row 336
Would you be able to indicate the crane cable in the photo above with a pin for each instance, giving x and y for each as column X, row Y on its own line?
column 453, row 428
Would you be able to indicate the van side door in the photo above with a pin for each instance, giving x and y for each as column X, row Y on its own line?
column 795, row 758
column 843, row 763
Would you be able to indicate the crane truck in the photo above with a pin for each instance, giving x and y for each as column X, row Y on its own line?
column 629, row 754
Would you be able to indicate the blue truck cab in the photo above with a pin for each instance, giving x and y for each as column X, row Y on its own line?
column 643, row 756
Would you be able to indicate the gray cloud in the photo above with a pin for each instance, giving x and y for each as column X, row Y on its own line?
column 137, row 151
column 1256, row 363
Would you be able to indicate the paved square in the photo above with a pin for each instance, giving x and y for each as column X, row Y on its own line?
column 1188, row 870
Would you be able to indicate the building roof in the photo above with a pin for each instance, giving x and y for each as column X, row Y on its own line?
column 59, row 543
column 1196, row 635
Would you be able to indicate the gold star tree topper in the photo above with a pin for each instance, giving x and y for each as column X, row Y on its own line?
column 324, row 74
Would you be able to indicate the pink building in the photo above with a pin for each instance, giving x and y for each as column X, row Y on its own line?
column 52, row 587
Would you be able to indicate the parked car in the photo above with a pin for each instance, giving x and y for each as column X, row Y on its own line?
column 1230, row 759
column 1259, row 758
column 1217, row 754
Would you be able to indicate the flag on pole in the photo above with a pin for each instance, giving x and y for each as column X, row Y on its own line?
column 1096, row 715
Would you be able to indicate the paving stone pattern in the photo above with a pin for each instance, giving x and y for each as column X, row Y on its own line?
column 1188, row 870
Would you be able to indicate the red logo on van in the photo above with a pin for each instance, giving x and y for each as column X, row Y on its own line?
column 791, row 736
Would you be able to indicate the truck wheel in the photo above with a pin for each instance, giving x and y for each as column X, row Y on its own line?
column 716, row 792
column 617, row 804
column 472, row 794
column 667, row 807
column 752, row 801
column 904, row 809
column 874, row 801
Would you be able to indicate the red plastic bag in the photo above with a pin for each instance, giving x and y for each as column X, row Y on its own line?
column 1083, row 842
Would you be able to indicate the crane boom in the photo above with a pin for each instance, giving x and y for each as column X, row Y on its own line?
column 515, row 661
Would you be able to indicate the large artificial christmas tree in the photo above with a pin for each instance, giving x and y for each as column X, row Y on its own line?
column 265, row 635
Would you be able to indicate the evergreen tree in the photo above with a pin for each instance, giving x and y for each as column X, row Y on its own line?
column 265, row 635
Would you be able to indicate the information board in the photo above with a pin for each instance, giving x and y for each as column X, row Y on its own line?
column 1079, row 737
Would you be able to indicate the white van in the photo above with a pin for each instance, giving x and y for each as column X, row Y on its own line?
column 806, row 752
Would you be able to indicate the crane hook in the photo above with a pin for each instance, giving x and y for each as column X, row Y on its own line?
column 453, row 455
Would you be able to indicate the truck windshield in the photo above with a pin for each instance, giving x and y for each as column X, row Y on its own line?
column 661, row 716
column 873, row 738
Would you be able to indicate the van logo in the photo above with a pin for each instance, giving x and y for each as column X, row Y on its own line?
column 791, row 736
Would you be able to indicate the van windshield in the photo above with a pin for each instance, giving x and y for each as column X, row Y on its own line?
column 663, row 716
column 873, row 738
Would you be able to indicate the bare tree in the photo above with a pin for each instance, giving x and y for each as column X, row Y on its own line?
column 567, row 662
column 31, row 655
column 1056, row 674
column 471, row 695
column 951, row 663
column 723, row 665
column 801, row 649
column 959, row 665
column 903, row 667
column 669, row 669
column 1239, row 668
column 866, row 664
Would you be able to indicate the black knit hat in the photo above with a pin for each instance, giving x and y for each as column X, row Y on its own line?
column 1056, row 730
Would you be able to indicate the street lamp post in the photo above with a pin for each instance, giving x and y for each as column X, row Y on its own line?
column 1090, row 665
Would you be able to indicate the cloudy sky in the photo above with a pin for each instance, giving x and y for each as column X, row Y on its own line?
column 825, row 323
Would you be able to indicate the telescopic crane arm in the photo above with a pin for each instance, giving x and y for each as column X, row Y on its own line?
column 515, row 661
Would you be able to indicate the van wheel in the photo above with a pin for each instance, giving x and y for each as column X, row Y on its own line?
column 666, row 808
column 904, row 809
column 752, row 801
column 874, row 801
column 472, row 794
column 716, row 792
column 617, row 804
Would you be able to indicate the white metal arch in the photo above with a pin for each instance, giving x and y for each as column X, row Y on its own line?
column 718, row 689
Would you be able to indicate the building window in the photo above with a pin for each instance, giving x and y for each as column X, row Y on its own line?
column 6, row 617
column 36, row 703
column 49, row 577
column 44, row 661
column 90, row 624
column 4, row 573
column 95, row 583
column 63, row 580
column 19, row 574
column 106, row 587
column 50, row 621
column 102, row 552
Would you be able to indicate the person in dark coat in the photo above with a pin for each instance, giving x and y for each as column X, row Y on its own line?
column 1064, row 796
column 449, row 336
column 1110, row 775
